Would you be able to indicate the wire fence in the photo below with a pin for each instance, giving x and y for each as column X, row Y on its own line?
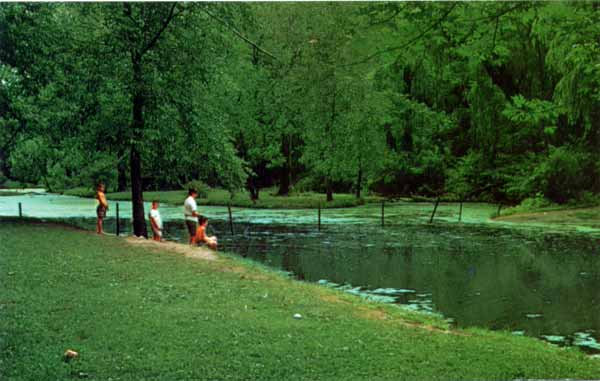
column 120, row 225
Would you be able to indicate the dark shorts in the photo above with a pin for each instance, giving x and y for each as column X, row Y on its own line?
column 191, row 226
column 101, row 211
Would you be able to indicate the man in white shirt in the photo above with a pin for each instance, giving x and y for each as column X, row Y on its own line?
column 156, row 221
column 191, row 215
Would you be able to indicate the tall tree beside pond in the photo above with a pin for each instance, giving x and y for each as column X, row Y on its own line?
column 267, row 107
column 341, row 107
column 138, row 29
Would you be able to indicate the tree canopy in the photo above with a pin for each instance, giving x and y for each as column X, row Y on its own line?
column 495, row 101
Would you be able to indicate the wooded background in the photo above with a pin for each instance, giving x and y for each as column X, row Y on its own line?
column 495, row 101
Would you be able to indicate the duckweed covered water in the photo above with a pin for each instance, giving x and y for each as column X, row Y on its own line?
column 529, row 282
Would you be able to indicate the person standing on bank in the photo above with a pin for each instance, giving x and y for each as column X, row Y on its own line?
column 101, row 208
column 156, row 221
column 190, row 212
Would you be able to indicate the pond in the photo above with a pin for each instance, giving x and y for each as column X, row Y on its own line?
column 530, row 282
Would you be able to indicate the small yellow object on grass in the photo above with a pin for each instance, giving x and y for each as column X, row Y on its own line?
column 70, row 355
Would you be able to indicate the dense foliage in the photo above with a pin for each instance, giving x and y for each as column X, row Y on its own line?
column 497, row 101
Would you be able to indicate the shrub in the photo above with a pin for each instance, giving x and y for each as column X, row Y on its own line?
column 13, row 184
column 56, row 178
column 102, row 168
column 309, row 184
column 586, row 198
column 200, row 186
column 467, row 176
column 564, row 174
column 28, row 160
column 534, row 203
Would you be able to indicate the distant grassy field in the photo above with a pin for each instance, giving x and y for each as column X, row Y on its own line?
column 218, row 197
column 136, row 312
column 8, row 194
column 584, row 217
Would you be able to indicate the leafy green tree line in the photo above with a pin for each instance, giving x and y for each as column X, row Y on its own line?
column 496, row 101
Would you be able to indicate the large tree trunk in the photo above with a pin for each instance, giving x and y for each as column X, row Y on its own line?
column 329, row 188
column 251, row 184
column 286, row 172
column 137, row 197
column 359, row 181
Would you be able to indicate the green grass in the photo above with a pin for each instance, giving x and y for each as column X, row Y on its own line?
column 12, row 184
column 540, row 205
column 80, row 192
column 9, row 193
column 135, row 313
column 267, row 199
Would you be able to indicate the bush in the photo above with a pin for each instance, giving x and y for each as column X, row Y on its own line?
column 534, row 203
column 531, row 204
column 101, row 168
column 12, row 184
column 309, row 184
column 564, row 174
column 28, row 160
column 56, row 179
column 585, row 199
column 199, row 185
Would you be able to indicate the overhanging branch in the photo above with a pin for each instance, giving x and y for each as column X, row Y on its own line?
column 408, row 43
column 238, row 33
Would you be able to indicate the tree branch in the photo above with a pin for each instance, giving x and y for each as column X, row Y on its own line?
column 164, row 26
column 438, row 22
column 408, row 43
column 385, row 21
column 494, row 38
column 127, row 12
column 238, row 33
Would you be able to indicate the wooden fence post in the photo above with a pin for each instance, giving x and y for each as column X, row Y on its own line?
column 230, row 218
column 118, row 227
column 437, row 201
column 319, row 216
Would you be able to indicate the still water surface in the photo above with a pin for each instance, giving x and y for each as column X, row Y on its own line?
column 529, row 282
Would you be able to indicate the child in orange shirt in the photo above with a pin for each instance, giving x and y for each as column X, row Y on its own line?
column 201, row 234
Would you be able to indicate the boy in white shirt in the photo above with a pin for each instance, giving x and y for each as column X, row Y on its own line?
column 190, row 213
column 156, row 221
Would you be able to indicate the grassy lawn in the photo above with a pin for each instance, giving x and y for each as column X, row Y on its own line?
column 136, row 312
column 583, row 217
column 217, row 197
column 9, row 193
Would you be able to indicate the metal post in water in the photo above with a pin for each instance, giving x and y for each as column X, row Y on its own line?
column 118, row 226
column 20, row 211
column 383, row 213
column 319, row 216
column 437, row 201
column 460, row 211
column 230, row 218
